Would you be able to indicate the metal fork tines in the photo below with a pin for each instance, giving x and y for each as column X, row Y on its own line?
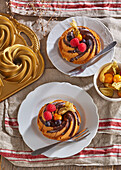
column 77, row 70
column 78, row 137
column 81, row 135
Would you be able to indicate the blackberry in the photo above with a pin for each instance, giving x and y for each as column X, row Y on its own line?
column 47, row 123
column 70, row 36
column 89, row 43
column 57, row 122
column 84, row 41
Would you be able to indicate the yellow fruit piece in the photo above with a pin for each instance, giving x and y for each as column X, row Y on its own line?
column 68, row 107
column 117, row 85
column 79, row 37
column 73, row 24
column 117, row 78
column 75, row 28
column 108, row 78
column 113, row 65
column 57, row 117
column 109, row 86
column 107, row 91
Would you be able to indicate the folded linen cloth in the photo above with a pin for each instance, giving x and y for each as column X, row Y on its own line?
column 66, row 7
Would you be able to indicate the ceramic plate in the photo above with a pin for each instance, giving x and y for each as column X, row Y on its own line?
column 64, row 66
column 29, row 109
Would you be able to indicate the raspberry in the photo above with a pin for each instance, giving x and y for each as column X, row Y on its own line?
column 82, row 47
column 51, row 107
column 74, row 42
column 47, row 115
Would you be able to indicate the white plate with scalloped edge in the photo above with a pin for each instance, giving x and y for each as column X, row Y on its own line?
column 29, row 109
column 92, row 23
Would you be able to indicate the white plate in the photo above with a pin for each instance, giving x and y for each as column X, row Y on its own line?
column 29, row 109
column 55, row 56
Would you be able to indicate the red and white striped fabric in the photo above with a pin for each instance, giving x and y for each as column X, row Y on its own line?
column 66, row 7
column 105, row 124
column 88, row 154
column 113, row 124
column 11, row 123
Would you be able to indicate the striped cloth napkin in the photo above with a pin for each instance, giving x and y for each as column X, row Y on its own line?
column 66, row 7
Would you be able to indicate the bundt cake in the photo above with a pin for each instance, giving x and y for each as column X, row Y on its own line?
column 59, row 120
column 78, row 44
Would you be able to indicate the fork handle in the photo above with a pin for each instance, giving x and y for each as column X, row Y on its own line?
column 46, row 148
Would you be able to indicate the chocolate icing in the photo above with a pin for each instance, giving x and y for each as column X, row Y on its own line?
column 67, row 128
column 71, row 117
column 88, row 36
column 58, row 128
column 66, row 120
column 59, row 105
column 42, row 120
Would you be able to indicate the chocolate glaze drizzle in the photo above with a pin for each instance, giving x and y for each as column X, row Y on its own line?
column 67, row 118
column 71, row 118
column 58, row 128
column 90, row 41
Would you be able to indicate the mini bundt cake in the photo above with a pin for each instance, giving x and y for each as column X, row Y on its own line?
column 79, row 44
column 59, row 120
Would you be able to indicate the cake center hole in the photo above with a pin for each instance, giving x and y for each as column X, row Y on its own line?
column 17, row 61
